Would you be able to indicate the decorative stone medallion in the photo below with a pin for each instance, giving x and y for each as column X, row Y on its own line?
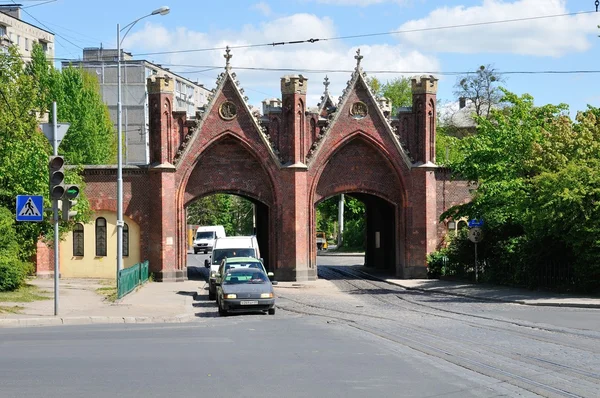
column 358, row 110
column 228, row 110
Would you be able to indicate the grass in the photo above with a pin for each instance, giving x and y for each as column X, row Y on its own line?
column 11, row 310
column 109, row 292
column 24, row 294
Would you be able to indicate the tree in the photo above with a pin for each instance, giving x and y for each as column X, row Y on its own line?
column 24, row 151
column 91, row 138
column 398, row 90
column 538, row 190
column 481, row 89
column 233, row 212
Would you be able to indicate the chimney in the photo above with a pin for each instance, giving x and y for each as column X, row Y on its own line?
column 14, row 10
column 462, row 102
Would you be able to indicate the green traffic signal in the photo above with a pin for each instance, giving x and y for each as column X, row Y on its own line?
column 72, row 192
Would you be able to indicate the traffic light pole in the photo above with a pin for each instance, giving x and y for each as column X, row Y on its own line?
column 55, row 213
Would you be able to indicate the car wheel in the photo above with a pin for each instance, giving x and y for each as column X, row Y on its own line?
column 211, row 295
column 222, row 312
column 271, row 311
column 195, row 251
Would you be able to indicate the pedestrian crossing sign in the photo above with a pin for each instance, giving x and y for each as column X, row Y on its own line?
column 30, row 208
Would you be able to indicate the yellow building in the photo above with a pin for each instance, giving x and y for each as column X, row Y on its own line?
column 90, row 250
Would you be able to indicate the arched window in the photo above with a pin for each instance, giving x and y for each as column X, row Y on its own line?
column 78, row 240
column 100, row 237
column 125, row 240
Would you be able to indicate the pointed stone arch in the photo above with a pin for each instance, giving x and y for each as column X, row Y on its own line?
column 361, row 167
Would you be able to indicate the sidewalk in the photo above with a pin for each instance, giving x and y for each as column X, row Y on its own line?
column 80, row 304
column 172, row 302
column 489, row 292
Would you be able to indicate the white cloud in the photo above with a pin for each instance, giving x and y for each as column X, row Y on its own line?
column 263, row 8
column 360, row 3
column 541, row 37
column 258, row 85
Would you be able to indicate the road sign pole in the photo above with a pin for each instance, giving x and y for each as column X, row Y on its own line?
column 55, row 214
column 476, row 275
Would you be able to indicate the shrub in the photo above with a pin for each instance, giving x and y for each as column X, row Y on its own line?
column 12, row 270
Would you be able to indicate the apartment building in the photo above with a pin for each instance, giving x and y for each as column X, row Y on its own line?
column 14, row 31
column 189, row 95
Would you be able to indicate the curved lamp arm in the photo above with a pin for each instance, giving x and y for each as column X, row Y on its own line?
column 164, row 10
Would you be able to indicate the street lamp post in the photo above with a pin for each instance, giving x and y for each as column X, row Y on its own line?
column 159, row 11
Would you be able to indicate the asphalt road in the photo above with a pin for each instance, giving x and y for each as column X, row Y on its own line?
column 350, row 337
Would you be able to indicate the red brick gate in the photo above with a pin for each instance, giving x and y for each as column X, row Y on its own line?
column 286, row 161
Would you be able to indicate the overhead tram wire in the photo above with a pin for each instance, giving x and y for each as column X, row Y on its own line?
column 314, row 40
column 450, row 73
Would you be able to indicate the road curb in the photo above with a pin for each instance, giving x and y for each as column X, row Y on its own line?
column 492, row 299
column 93, row 320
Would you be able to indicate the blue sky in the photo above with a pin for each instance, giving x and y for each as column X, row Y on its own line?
column 568, row 43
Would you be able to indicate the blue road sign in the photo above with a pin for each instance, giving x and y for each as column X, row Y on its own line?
column 30, row 208
column 475, row 223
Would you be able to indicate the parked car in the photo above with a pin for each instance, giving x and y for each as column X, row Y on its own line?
column 245, row 290
column 206, row 236
column 240, row 262
column 231, row 246
column 321, row 241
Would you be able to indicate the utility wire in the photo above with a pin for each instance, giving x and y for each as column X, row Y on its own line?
column 313, row 40
column 50, row 30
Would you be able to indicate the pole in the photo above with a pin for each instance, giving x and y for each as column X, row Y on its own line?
column 55, row 213
column 340, row 237
column 476, row 274
column 119, row 162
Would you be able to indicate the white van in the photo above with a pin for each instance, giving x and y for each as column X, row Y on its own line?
column 231, row 246
column 206, row 236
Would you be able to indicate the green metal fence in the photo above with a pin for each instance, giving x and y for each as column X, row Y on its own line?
column 132, row 277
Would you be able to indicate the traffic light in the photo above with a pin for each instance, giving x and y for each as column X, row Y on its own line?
column 68, row 201
column 57, row 177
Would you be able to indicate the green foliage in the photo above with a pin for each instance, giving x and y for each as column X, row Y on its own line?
column 90, row 138
column 354, row 220
column 447, row 148
column 233, row 212
column 12, row 270
column 539, row 193
column 398, row 90
column 25, row 92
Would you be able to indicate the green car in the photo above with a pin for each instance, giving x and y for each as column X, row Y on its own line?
column 240, row 262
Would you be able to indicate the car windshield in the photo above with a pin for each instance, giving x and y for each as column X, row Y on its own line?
column 245, row 277
column 219, row 255
column 205, row 235
column 244, row 264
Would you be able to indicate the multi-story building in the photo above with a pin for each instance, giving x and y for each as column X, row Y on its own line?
column 189, row 96
column 14, row 31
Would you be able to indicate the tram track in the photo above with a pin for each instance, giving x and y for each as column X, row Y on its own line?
column 529, row 372
column 593, row 346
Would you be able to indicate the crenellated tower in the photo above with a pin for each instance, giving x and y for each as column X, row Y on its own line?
column 422, row 145
column 292, row 140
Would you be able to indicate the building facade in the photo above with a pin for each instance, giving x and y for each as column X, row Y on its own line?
column 22, row 35
column 189, row 96
column 286, row 161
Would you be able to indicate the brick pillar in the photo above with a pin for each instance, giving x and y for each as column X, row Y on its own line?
column 163, row 234
column 163, row 231
column 294, row 220
column 293, row 142
column 422, row 210
column 44, row 259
